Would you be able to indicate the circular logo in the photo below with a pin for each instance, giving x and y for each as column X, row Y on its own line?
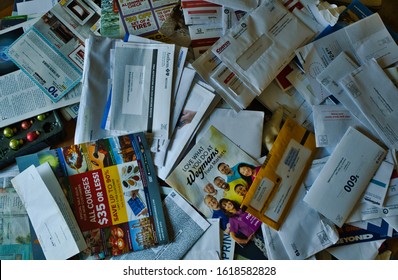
column 244, row 25
column 226, row 11
column 385, row 211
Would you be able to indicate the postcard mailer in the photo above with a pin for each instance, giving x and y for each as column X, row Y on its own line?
column 51, row 52
column 345, row 176
column 262, row 44
column 145, row 17
column 275, row 186
column 374, row 93
column 51, row 216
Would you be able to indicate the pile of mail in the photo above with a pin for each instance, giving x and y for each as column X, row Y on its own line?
column 172, row 69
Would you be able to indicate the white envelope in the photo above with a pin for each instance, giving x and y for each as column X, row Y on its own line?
column 330, row 78
column 366, row 211
column 294, row 105
column 331, row 122
column 262, row 44
column 244, row 128
column 345, row 176
column 375, row 95
column 304, row 232
column 201, row 12
column 51, row 216
column 273, row 244
column 364, row 39
column 211, row 69
column 358, row 251
column 244, row 5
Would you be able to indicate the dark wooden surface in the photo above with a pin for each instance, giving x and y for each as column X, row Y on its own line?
column 6, row 7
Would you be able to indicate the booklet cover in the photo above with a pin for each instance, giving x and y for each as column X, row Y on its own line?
column 212, row 177
column 113, row 191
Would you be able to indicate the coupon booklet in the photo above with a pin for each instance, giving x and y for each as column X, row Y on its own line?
column 113, row 191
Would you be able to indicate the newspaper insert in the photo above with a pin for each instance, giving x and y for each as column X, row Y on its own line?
column 51, row 53
column 20, row 97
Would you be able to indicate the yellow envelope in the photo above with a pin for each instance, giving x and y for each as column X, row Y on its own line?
column 272, row 191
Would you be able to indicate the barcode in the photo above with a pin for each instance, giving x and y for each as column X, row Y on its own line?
column 352, row 88
column 323, row 238
column 51, row 69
